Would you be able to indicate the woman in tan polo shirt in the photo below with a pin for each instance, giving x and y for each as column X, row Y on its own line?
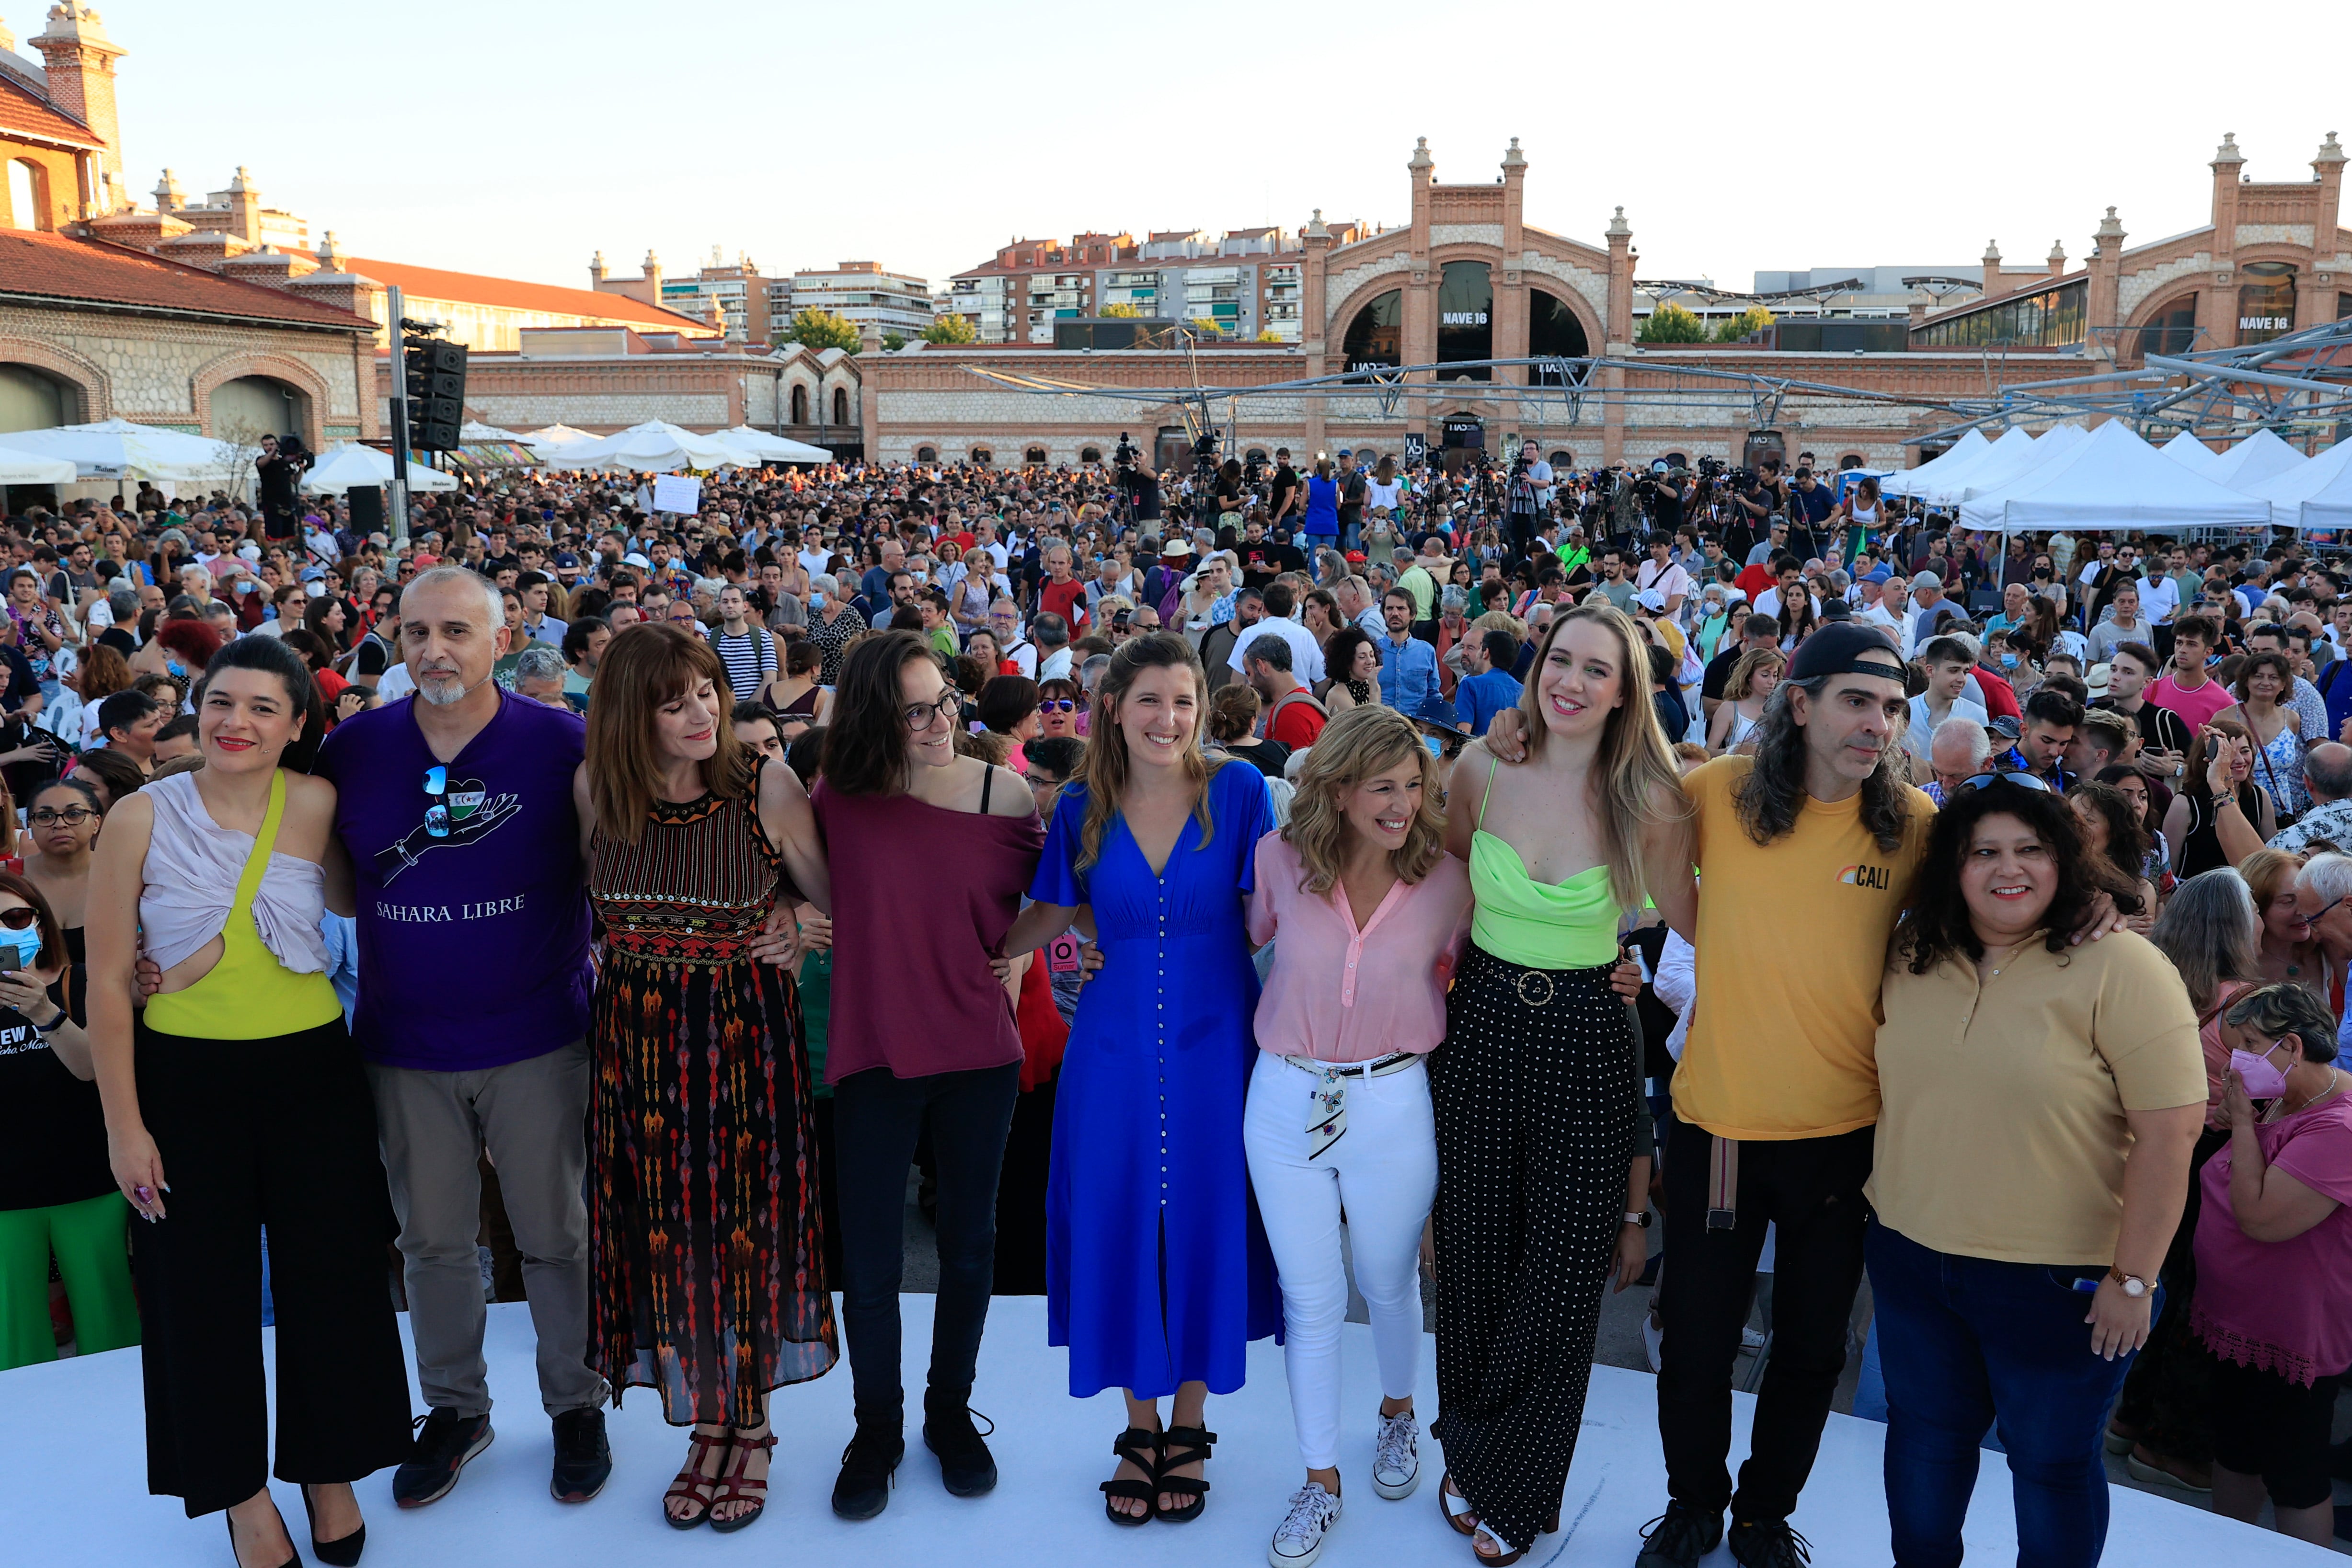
column 2014, row 1249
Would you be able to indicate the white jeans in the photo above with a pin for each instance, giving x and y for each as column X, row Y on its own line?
column 1384, row 1171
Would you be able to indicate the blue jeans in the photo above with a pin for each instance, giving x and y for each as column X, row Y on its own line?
column 1967, row 1341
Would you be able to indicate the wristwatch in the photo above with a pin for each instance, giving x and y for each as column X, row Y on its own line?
column 1641, row 1219
column 2134, row 1286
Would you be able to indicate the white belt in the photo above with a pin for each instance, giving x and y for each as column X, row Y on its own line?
column 1328, row 1101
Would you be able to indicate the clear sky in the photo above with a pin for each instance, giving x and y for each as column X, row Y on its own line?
column 517, row 139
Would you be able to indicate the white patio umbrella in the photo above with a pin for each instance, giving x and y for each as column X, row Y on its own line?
column 118, row 449
column 774, row 448
column 475, row 430
column 551, row 440
column 340, row 467
column 655, row 446
column 32, row 468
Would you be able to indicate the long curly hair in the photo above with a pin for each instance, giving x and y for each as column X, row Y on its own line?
column 1357, row 745
column 1772, row 794
column 1104, row 773
column 1937, row 926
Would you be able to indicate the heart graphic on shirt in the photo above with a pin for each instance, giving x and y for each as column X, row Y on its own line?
column 465, row 797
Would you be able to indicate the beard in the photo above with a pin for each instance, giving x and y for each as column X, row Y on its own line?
column 442, row 691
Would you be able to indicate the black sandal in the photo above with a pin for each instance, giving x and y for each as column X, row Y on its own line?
column 1199, row 1444
column 1141, row 1449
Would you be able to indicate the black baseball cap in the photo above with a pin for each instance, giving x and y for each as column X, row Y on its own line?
column 1847, row 648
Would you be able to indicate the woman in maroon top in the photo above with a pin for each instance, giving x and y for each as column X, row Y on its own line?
column 930, row 852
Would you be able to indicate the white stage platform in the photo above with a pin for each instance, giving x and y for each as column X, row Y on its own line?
column 72, row 1482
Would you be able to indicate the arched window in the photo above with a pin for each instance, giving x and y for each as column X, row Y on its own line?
column 983, row 455
column 926, row 454
column 245, row 410
column 1562, row 459
column 799, row 403
column 1255, row 455
column 1676, row 460
column 1465, row 319
column 840, row 405
column 1553, row 329
column 28, row 191
column 1035, row 454
column 1376, row 336
column 1366, row 456
column 30, row 400
column 2172, row 330
column 1850, row 460
column 1089, row 454
column 2265, row 301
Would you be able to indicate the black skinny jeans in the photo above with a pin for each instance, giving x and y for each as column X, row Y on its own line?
column 1811, row 1189
column 877, row 1119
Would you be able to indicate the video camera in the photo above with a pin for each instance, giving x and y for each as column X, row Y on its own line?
column 1125, row 454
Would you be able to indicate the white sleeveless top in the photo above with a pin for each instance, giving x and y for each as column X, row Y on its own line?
column 191, row 876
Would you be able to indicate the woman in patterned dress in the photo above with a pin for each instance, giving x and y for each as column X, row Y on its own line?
column 705, row 1238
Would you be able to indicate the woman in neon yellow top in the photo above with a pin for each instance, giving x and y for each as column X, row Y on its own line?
column 239, row 1102
column 1543, row 1147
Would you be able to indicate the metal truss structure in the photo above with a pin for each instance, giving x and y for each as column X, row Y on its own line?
column 2300, row 383
column 1820, row 293
column 2297, row 384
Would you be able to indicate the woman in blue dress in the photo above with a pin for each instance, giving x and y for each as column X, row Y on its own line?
column 1157, row 1270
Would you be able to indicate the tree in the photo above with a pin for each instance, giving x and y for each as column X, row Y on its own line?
column 951, row 328
column 824, row 329
column 1206, row 326
column 1122, row 311
column 1269, row 336
column 1670, row 323
column 893, row 342
column 1754, row 318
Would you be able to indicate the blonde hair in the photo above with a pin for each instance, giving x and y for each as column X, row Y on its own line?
column 1501, row 620
column 1355, row 745
column 1103, row 771
column 1634, row 768
column 1741, row 683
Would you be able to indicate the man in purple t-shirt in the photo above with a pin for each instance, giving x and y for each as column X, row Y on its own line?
column 455, row 806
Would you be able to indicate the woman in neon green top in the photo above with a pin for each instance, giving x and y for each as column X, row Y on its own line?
column 1543, row 1149
column 238, row 1103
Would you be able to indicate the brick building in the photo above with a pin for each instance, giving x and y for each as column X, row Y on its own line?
column 1469, row 279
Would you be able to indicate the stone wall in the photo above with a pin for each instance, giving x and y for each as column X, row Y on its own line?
column 161, row 370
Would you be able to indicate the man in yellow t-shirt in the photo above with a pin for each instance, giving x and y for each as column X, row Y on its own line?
column 1805, row 856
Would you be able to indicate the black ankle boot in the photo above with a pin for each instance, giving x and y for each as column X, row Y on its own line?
column 966, row 1467
column 862, row 1490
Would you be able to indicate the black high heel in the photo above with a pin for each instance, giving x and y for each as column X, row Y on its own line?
column 341, row 1553
column 293, row 1562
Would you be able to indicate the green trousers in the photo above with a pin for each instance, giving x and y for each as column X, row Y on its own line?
column 89, row 1239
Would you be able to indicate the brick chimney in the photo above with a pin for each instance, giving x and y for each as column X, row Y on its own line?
column 80, row 59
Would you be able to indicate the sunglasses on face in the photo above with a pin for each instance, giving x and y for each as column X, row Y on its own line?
column 1057, row 705
column 2022, row 780
column 21, row 918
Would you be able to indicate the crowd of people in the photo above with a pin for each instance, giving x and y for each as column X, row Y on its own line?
column 1745, row 860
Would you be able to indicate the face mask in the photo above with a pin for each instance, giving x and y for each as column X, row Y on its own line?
column 2008, row 661
column 19, row 948
column 245, row 587
column 2262, row 1081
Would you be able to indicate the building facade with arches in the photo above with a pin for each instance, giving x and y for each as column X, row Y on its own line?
column 1470, row 278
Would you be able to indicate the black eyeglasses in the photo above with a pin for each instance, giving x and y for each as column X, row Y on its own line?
column 437, row 815
column 2022, row 780
column 923, row 716
column 49, row 816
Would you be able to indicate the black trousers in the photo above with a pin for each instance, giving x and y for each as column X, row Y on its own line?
column 1810, row 1188
column 277, row 1132
column 877, row 1119
column 1021, row 1194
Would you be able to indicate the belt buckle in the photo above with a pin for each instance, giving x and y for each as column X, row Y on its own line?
column 1521, row 985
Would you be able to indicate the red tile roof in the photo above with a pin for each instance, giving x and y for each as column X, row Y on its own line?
column 22, row 114
column 61, row 268
column 513, row 294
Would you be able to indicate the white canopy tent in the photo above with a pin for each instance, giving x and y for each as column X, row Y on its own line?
column 2008, row 462
column 774, row 448
column 2187, row 449
column 1971, row 446
column 2259, row 457
column 118, row 449
column 341, row 467
column 2109, row 480
column 655, row 447
column 549, row 440
column 2314, row 494
column 475, row 430
column 32, row 468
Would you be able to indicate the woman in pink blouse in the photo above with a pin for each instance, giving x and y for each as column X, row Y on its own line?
column 1366, row 912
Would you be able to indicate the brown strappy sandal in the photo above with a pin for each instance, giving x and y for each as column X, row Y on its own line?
column 734, row 1486
column 691, row 1483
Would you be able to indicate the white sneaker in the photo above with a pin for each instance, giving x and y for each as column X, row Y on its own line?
column 1396, row 1456
column 1653, row 1340
column 1299, row 1539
